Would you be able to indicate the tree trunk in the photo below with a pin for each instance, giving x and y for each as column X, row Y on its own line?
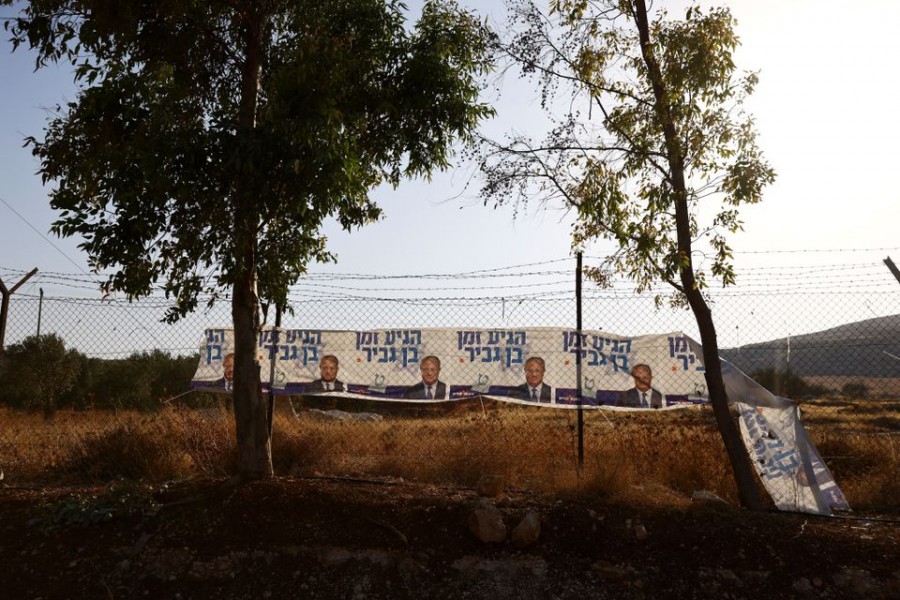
column 253, row 441
column 737, row 454
column 734, row 446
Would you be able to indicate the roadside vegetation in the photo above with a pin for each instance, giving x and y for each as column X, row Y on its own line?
column 68, row 418
column 658, row 455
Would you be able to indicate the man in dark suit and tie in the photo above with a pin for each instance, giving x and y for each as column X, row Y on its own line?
column 534, row 388
column 226, row 381
column 328, row 381
column 430, row 387
column 642, row 395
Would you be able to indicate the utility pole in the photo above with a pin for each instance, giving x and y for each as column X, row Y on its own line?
column 40, row 310
column 4, row 305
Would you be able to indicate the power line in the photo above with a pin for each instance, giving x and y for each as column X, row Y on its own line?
column 816, row 251
column 494, row 272
column 45, row 238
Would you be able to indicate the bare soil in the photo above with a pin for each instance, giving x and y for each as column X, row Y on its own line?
column 354, row 539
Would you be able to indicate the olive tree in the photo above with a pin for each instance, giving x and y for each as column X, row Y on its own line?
column 649, row 147
column 38, row 372
column 211, row 139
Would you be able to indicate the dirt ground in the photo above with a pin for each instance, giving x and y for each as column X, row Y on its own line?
column 353, row 539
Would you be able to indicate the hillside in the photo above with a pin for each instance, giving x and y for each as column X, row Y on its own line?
column 860, row 349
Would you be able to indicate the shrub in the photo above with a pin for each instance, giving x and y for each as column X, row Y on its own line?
column 786, row 384
column 855, row 389
column 134, row 450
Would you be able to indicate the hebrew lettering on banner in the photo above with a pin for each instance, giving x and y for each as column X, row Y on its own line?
column 386, row 363
column 605, row 367
column 488, row 361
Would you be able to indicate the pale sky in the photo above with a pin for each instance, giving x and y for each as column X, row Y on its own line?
column 825, row 109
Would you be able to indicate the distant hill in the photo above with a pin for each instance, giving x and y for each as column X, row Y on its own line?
column 859, row 349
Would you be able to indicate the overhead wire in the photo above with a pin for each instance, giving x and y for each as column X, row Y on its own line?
column 44, row 237
column 847, row 277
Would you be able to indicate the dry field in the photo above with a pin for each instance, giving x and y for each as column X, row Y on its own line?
column 533, row 448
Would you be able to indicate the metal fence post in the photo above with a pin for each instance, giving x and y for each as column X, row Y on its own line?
column 4, row 305
column 578, row 362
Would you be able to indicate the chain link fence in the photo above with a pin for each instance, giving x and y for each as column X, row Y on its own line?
column 93, row 389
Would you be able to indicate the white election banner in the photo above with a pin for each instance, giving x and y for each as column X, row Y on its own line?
column 537, row 366
column 386, row 364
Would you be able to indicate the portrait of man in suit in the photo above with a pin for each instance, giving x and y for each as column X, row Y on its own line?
column 642, row 395
column 328, row 381
column 534, row 388
column 226, row 381
column 430, row 387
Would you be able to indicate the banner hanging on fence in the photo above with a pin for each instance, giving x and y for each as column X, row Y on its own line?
column 534, row 366
column 520, row 365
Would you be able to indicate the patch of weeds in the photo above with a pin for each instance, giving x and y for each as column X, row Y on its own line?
column 120, row 500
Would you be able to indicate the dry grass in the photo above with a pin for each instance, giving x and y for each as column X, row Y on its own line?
column 860, row 442
column 102, row 445
column 657, row 457
column 864, row 465
column 864, row 416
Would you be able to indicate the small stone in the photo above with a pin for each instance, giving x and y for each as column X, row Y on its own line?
column 706, row 498
column 527, row 531
column 486, row 523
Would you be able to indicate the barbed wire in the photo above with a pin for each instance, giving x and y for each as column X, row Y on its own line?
column 481, row 285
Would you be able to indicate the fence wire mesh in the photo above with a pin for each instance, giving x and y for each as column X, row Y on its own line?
column 94, row 388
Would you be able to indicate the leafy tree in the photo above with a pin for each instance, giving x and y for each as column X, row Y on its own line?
column 37, row 372
column 83, row 395
column 171, row 374
column 210, row 140
column 123, row 384
column 648, row 138
column 140, row 382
